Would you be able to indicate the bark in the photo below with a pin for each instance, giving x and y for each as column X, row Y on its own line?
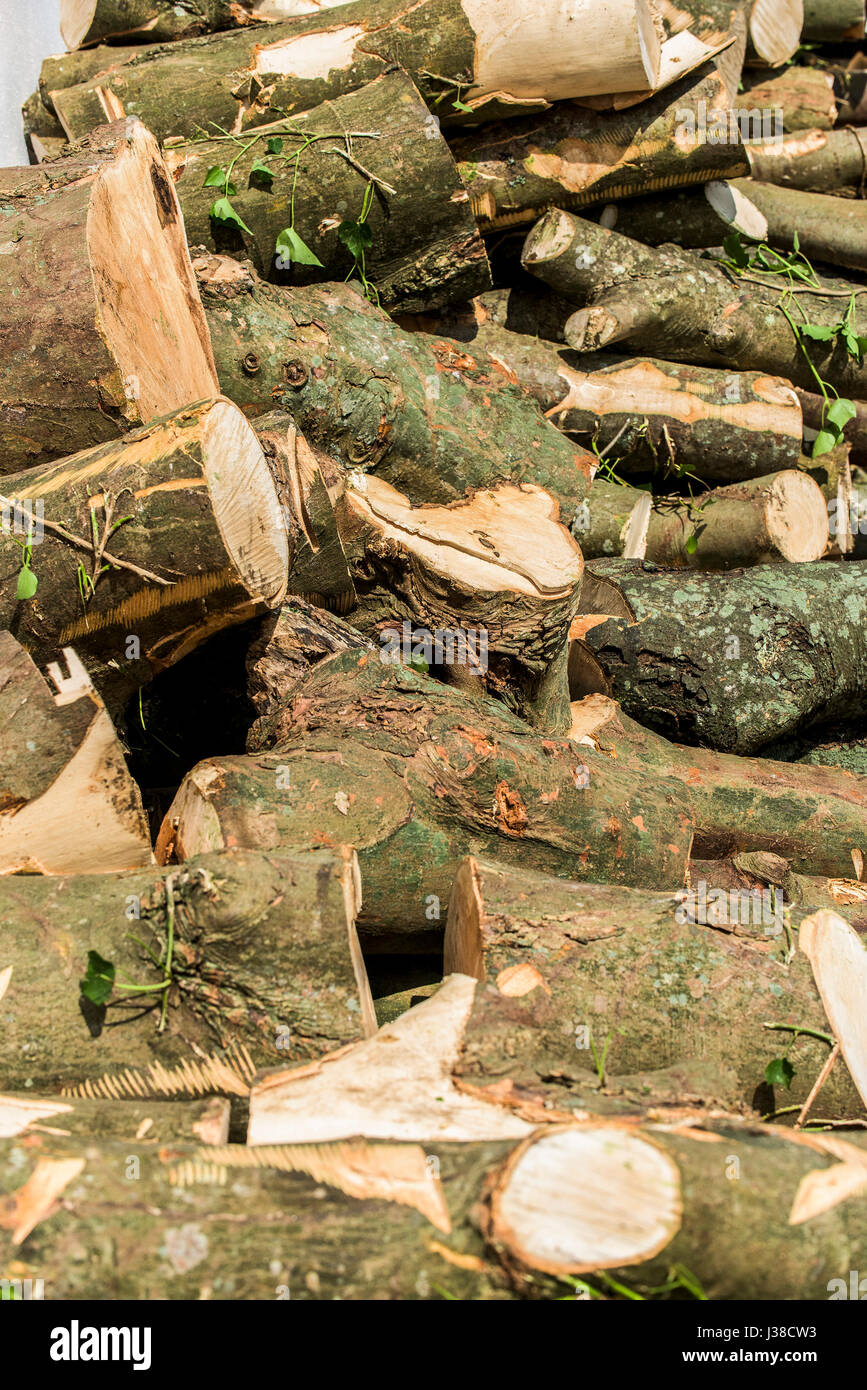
column 826, row 229
column 774, row 31
column 61, row 70
column 850, row 89
column 485, row 1221
column 692, row 308
column 572, row 157
column 780, row 517
column 832, row 472
column 416, row 773
column 811, row 816
column 744, row 873
column 486, row 589
column 454, row 49
column 430, row 420
column 166, row 537
column 67, row 801
column 844, row 748
column 43, row 134
column 110, row 359
column 265, row 959
column 288, row 645
column 833, row 21
column 148, row 1121
column 817, row 161
column 649, row 415
column 86, row 22
column 661, row 977
column 425, row 248
column 735, row 662
column 805, row 98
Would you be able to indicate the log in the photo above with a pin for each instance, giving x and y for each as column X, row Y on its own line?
column 744, row 873
column 288, row 644
column 572, row 157
column 660, row 976
column 693, row 308
column 782, row 517
column 498, row 1220
column 745, row 682
column 411, row 771
column 774, row 31
column 61, row 70
column 833, row 21
column 43, row 134
column 143, row 1121
column 848, row 750
column 67, row 801
column 469, row 51
column 432, row 421
column 265, row 959
column 804, row 98
column 483, row 590
column 826, row 229
column 87, row 22
column 151, row 544
column 813, row 817
column 816, row 161
column 424, row 247
column 115, row 346
column 651, row 416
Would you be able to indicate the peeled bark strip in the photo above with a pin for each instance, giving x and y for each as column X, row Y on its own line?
column 265, row 959
column 737, row 661
column 144, row 1121
column 572, row 157
column 651, row 416
column 781, row 517
column 465, row 50
column 661, row 976
column 693, row 309
column 775, row 31
column 816, row 161
column 833, row 21
column 185, row 515
column 415, row 774
column 99, row 290
column 431, row 420
column 813, row 817
column 426, row 250
column 86, row 22
column 67, row 801
column 487, row 588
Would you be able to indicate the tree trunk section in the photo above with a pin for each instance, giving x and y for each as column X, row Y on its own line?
column 431, row 421
column 826, row 229
column 265, row 959
column 774, row 31
column 288, row 645
column 804, row 98
column 425, row 249
column 816, row 161
column 87, row 22
column 67, row 801
column 109, row 360
column 144, row 1121
column 165, row 537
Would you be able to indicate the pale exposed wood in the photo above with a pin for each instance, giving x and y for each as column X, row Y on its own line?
column 775, row 30
column 839, row 964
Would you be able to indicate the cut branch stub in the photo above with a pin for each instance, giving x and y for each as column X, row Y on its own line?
column 98, row 289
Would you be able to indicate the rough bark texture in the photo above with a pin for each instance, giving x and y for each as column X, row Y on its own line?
column 571, row 157
column 818, row 161
column 187, row 502
column 108, row 362
column 290, row 643
column 86, row 22
column 659, row 976
column 425, row 248
column 805, row 98
column 454, row 50
column 833, row 21
column 144, row 1121
column 43, row 134
column 651, row 416
column 780, row 517
column 416, row 773
column 751, row 870
column 430, row 419
column 67, row 801
column 265, row 959
column 694, row 309
column 813, row 817
column 737, row 661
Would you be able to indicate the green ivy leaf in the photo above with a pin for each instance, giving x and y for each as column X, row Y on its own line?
column 780, row 1072
column 98, row 982
column 356, row 237
column 840, row 413
column 461, row 105
column 817, row 331
column 825, row 441
column 290, row 247
column 215, row 177
column 261, row 171
column 274, row 145
column 736, row 251
column 222, row 211
column 27, row 583
column 692, row 545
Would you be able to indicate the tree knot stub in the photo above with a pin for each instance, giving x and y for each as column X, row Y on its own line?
column 510, row 810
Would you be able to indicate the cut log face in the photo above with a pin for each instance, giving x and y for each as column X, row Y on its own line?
column 188, row 525
column 67, row 801
column 84, row 228
column 839, row 964
column 775, row 31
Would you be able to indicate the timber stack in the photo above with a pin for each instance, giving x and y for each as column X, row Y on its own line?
column 433, row 484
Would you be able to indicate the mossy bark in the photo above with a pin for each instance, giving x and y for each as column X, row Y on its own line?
column 425, row 249
column 265, row 958
column 430, row 419
column 155, row 21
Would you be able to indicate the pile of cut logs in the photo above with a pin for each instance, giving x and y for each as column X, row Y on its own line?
column 433, row 582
